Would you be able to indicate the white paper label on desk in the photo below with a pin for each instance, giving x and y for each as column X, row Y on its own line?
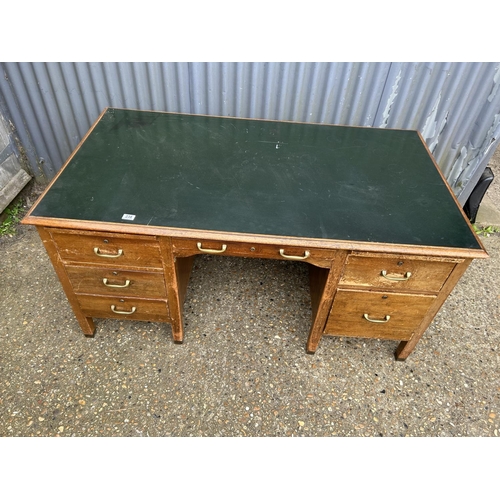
column 128, row 217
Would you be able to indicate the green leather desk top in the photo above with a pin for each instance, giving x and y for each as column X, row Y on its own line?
column 259, row 177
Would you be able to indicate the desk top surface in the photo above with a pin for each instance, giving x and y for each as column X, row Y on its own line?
column 258, row 177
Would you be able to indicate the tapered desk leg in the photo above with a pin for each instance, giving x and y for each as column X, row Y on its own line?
column 177, row 272
column 406, row 347
column 86, row 323
column 323, row 287
column 183, row 267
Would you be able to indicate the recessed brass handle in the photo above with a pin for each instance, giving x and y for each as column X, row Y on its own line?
column 105, row 281
column 123, row 312
column 406, row 277
column 107, row 255
column 210, row 250
column 385, row 320
column 294, row 257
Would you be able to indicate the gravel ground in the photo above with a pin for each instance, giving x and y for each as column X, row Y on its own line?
column 242, row 370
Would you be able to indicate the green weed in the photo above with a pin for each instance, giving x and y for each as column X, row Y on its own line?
column 14, row 213
column 485, row 231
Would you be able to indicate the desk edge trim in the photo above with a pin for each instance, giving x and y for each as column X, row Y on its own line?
column 256, row 238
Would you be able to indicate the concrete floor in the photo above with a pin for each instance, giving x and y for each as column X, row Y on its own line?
column 242, row 370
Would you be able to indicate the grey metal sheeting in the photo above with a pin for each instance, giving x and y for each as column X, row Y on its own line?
column 456, row 106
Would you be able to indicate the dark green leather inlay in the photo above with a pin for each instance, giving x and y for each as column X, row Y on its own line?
column 251, row 176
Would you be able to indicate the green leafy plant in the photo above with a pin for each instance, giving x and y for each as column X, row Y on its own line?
column 14, row 212
column 485, row 231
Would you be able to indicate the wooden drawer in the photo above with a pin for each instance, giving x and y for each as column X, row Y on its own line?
column 109, row 281
column 186, row 247
column 401, row 273
column 127, row 308
column 108, row 248
column 400, row 314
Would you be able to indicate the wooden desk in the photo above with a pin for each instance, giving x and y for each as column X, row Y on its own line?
column 366, row 208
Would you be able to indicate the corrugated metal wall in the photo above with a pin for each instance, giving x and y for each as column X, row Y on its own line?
column 456, row 106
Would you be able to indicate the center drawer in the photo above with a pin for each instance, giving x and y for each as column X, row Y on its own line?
column 109, row 281
column 108, row 248
column 187, row 247
column 384, row 315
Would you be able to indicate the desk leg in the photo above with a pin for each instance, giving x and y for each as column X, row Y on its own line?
column 177, row 272
column 183, row 267
column 86, row 323
column 406, row 346
column 324, row 284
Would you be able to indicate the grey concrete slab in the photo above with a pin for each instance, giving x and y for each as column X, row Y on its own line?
column 488, row 214
column 489, row 210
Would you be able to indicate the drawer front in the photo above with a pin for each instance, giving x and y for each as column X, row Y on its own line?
column 186, row 247
column 124, row 308
column 108, row 249
column 109, row 281
column 399, row 273
column 388, row 315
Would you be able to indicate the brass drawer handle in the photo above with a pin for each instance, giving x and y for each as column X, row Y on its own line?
column 406, row 277
column 98, row 252
column 385, row 320
column 105, row 281
column 123, row 312
column 294, row 257
column 209, row 250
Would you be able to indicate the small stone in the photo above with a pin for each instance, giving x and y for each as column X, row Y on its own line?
column 82, row 402
column 301, row 423
column 61, row 428
column 375, row 418
column 25, row 322
column 41, row 419
column 492, row 415
column 38, row 382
